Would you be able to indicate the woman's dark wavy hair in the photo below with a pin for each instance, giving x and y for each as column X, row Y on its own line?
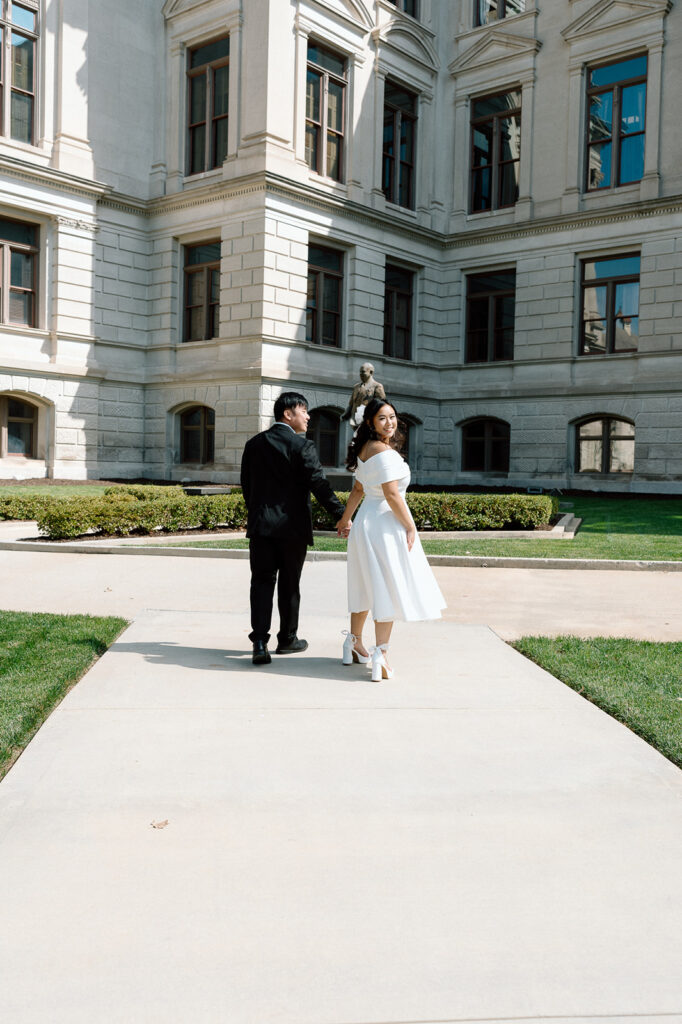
column 366, row 432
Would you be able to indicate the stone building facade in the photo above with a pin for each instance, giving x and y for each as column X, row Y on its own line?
column 206, row 202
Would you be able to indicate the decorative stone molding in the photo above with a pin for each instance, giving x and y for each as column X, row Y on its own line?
column 409, row 40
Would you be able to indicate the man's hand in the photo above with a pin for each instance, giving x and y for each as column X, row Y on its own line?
column 343, row 527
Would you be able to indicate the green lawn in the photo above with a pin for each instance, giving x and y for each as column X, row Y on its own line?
column 637, row 682
column 41, row 657
column 640, row 529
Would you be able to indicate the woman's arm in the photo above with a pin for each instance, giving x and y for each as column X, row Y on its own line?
column 354, row 499
column 400, row 510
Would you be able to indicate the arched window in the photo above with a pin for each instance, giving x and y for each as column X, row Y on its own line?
column 197, row 435
column 408, row 426
column 605, row 445
column 19, row 423
column 323, row 430
column 485, row 446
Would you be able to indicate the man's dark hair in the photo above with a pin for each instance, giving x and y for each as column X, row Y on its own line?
column 288, row 400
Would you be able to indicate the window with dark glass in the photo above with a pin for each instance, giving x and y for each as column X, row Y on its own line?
column 18, row 252
column 18, row 427
column 407, row 429
column 325, row 112
column 197, row 435
column 488, row 11
column 495, row 151
column 208, row 76
column 610, row 305
column 408, row 6
column 605, row 445
column 202, row 291
column 323, row 430
column 485, row 446
column 398, row 312
column 400, row 127
column 490, row 316
column 18, row 70
column 616, row 114
column 323, row 311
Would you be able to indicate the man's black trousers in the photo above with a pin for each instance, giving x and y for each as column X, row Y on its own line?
column 280, row 560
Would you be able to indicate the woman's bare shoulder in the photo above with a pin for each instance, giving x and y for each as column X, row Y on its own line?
column 373, row 448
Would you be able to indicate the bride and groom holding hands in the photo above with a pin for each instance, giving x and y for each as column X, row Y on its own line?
column 388, row 574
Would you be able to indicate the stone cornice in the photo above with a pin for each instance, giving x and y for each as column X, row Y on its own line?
column 58, row 180
column 312, row 198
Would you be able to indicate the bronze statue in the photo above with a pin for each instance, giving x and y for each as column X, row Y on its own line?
column 366, row 388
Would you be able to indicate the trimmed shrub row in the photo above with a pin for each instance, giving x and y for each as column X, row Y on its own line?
column 124, row 511
column 443, row 512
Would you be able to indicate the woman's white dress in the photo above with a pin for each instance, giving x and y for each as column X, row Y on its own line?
column 383, row 576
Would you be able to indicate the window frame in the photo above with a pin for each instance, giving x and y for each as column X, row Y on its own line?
column 6, row 419
column 210, row 120
column 610, row 283
column 8, row 247
column 211, row 309
column 318, row 311
column 496, row 163
column 616, row 140
column 204, row 428
column 7, row 89
column 502, row 6
column 321, row 128
column 606, row 439
column 488, row 423
column 401, row 5
column 315, row 432
column 492, row 297
column 391, row 295
column 397, row 114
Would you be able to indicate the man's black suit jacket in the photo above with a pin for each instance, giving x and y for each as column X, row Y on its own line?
column 279, row 470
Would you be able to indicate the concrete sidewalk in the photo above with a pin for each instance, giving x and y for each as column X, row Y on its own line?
column 468, row 841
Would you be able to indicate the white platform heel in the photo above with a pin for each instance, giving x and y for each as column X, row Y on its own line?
column 350, row 655
column 380, row 669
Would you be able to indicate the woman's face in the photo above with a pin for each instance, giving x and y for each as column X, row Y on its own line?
column 386, row 422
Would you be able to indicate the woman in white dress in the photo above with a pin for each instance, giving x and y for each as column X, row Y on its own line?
column 388, row 573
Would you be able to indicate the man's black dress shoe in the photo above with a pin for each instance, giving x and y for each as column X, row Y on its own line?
column 293, row 647
column 261, row 654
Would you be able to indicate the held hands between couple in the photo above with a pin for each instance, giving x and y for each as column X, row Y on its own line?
column 344, row 525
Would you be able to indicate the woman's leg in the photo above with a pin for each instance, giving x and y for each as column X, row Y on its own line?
column 357, row 623
column 382, row 631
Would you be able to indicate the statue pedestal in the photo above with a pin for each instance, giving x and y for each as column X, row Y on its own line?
column 340, row 481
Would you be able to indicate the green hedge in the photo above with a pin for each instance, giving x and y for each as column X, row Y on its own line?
column 121, row 512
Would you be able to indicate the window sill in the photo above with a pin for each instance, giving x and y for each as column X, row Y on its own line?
column 607, row 355
column 202, row 177
column 405, row 211
column 490, row 362
column 611, row 196
column 330, row 185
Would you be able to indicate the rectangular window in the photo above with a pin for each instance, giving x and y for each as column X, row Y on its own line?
column 495, row 151
column 490, row 316
column 18, row 252
column 208, row 76
column 616, row 114
column 408, row 6
column 398, row 312
column 400, row 126
column 610, row 305
column 18, row 70
column 488, row 11
column 325, row 112
column 323, row 312
column 202, row 291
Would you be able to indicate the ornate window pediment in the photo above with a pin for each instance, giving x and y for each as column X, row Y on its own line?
column 496, row 47
column 355, row 11
column 607, row 15
column 409, row 41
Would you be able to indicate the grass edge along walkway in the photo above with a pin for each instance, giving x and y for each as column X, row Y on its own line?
column 42, row 656
column 637, row 682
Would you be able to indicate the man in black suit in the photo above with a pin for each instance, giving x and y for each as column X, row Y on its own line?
column 280, row 467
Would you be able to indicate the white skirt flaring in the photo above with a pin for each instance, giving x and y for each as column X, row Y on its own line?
column 383, row 576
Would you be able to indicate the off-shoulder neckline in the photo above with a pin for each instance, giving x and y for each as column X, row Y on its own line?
column 363, row 462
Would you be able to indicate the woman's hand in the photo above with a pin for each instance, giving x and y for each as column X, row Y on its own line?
column 411, row 536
